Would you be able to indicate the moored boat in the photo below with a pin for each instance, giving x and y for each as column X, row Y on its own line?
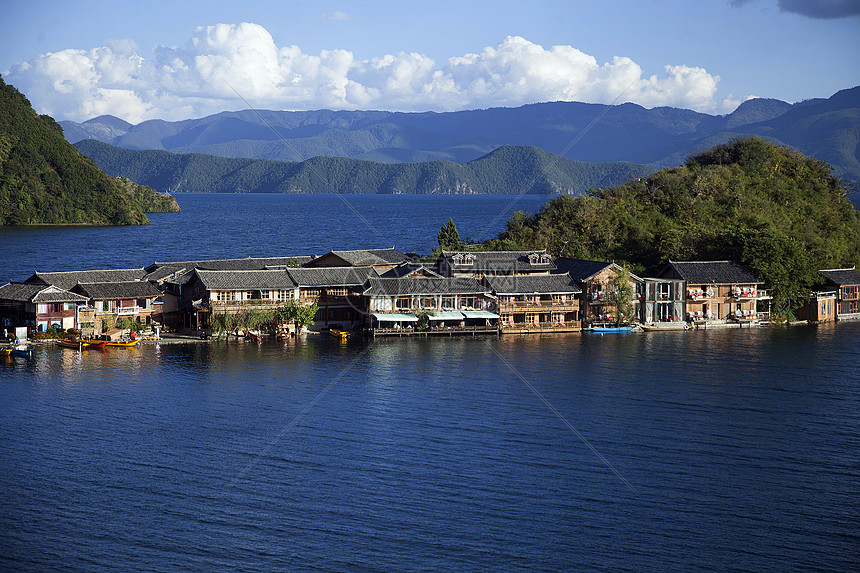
column 122, row 343
column 609, row 329
column 339, row 334
column 82, row 344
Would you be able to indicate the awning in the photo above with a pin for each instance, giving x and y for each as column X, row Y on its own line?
column 480, row 314
column 445, row 315
column 394, row 317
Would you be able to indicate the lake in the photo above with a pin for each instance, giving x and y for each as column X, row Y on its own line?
column 730, row 450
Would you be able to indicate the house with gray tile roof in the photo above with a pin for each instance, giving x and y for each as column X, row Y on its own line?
column 68, row 279
column 846, row 283
column 717, row 291
column 38, row 306
column 480, row 264
column 595, row 279
column 536, row 303
column 381, row 259
column 113, row 302
column 158, row 272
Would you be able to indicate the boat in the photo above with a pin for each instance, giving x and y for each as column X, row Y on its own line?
column 251, row 337
column 20, row 351
column 82, row 344
column 609, row 329
column 122, row 343
column 668, row 326
column 339, row 334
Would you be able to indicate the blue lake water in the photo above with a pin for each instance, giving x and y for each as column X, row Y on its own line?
column 731, row 450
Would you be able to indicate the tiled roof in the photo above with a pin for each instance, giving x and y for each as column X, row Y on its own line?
column 499, row 261
column 245, row 280
column 419, row 286
column 161, row 271
column 712, row 272
column 117, row 290
column 29, row 292
column 842, row 276
column 406, row 269
column 580, row 269
column 366, row 257
column 331, row 276
column 543, row 284
column 68, row 279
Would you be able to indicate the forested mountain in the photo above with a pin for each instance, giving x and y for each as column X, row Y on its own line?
column 661, row 137
column 507, row 170
column 782, row 213
column 45, row 180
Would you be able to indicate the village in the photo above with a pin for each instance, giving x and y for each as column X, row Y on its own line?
column 384, row 292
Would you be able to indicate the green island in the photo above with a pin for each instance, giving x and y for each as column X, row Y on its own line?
column 45, row 181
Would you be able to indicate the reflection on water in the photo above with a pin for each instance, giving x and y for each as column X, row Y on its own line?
column 419, row 453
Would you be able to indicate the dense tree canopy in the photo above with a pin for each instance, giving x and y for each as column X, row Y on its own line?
column 780, row 212
column 44, row 179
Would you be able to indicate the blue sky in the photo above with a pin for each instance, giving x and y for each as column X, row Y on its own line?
column 176, row 60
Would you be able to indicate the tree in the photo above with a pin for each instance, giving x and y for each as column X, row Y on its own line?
column 301, row 314
column 449, row 238
column 620, row 293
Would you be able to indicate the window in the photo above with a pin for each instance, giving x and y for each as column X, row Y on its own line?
column 403, row 303
column 68, row 306
column 226, row 295
column 664, row 291
column 337, row 291
column 449, row 303
column 427, row 302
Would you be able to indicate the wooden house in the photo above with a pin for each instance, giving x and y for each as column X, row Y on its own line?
column 428, row 306
column 717, row 291
column 337, row 292
column 594, row 280
column 821, row 307
column 230, row 292
column 491, row 263
column 112, row 301
column 846, row 283
column 39, row 307
column 536, row 303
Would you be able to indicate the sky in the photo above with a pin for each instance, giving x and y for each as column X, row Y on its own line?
column 183, row 59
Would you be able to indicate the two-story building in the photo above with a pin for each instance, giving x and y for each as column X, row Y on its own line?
column 594, row 279
column 113, row 301
column 39, row 307
column 661, row 301
column 846, row 283
column 428, row 306
column 536, row 303
column 717, row 291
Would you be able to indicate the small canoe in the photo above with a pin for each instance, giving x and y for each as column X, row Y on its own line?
column 82, row 344
column 339, row 334
column 670, row 326
column 251, row 337
column 122, row 343
column 609, row 329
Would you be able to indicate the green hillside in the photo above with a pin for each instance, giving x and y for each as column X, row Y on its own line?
column 508, row 170
column 782, row 213
column 45, row 180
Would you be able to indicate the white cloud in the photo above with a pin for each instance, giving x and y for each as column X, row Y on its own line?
column 336, row 16
column 204, row 76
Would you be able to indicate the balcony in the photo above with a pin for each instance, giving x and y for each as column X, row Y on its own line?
column 127, row 310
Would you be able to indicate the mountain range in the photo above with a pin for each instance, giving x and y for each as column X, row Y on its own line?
column 828, row 129
column 506, row 170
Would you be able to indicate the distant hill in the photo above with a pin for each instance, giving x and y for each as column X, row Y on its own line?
column 660, row 137
column 771, row 207
column 507, row 170
column 45, row 180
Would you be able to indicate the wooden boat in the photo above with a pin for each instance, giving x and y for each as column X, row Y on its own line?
column 609, row 329
column 21, row 352
column 669, row 326
column 339, row 334
column 82, row 344
column 122, row 343
column 251, row 337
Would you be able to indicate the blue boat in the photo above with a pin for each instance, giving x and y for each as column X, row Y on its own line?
column 609, row 329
